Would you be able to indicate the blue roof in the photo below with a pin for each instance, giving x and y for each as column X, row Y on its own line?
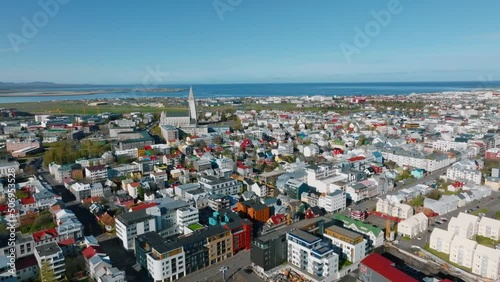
column 377, row 154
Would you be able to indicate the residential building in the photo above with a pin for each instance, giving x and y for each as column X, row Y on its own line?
column 295, row 188
column 460, row 172
column 489, row 227
column 96, row 173
column 9, row 168
column 440, row 240
column 417, row 159
column 394, row 209
column 374, row 236
column 462, row 251
column 413, row 225
column 485, row 262
column 169, row 132
column 493, row 154
column 130, row 224
column 112, row 274
column 255, row 210
column 464, row 226
column 224, row 186
column 181, row 190
column 347, row 244
column 365, row 189
column 80, row 190
column 307, row 253
column 185, row 217
column 260, row 190
column 333, row 202
column 52, row 255
column 218, row 202
column 241, row 229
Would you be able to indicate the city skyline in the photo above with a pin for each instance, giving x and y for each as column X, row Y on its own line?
column 249, row 42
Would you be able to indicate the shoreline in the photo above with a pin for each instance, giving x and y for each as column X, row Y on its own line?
column 35, row 93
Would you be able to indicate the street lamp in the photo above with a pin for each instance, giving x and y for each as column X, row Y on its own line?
column 223, row 269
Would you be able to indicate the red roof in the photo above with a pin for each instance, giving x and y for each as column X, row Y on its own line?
column 143, row 206
column 277, row 219
column 28, row 201
column 67, row 242
column 92, row 251
column 354, row 159
column 384, row 267
column 37, row 236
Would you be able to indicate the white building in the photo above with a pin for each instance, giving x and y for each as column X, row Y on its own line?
column 53, row 256
column 333, row 202
column 185, row 217
column 349, row 244
column 417, row 159
column 486, row 261
column 413, row 225
column 259, row 190
column 130, row 224
column 462, row 251
column 365, row 189
column 489, row 227
column 373, row 235
column 307, row 253
column 464, row 226
column 464, row 172
column 9, row 168
column 441, row 240
column 445, row 145
column 395, row 209
column 223, row 186
column 113, row 274
column 96, row 173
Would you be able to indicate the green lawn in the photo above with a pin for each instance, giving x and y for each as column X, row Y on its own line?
column 445, row 257
column 195, row 226
column 406, row 238
column 483, row 210
column 345, row 264
column 485, row 241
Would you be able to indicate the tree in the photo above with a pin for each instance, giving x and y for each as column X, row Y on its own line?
column 47, row 273
column 434, row 194
column 390, row 164
column 361, row 140
column 237, row 124
column 140, row 192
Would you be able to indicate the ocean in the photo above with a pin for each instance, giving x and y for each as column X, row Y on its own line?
column 262, row 90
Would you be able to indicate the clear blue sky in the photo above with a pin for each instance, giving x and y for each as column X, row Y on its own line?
column 114, row 41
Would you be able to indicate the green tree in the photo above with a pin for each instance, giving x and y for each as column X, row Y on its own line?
column 237, row 124
column 361, row 140
column 47, row 273
column 434, row 194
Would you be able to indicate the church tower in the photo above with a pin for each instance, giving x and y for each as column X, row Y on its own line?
column 192, row 107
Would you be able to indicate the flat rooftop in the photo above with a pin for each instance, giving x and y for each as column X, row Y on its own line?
column 343, row 231
column 304, row 236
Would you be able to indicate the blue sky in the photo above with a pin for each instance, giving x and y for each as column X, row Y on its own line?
column 112, row 41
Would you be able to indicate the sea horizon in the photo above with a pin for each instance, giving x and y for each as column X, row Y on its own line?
column 240, row 90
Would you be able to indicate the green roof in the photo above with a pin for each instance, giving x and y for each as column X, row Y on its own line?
column 195, row 226
column 360, row 225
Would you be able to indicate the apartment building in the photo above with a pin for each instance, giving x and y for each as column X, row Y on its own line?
column 464, row 226
column 185, row 217
column 130, row 224
column 440, row 240
column 96, row 173
column 460, row 172
column 170, row 260
column 334, row 201
column 413, row 225
column 374, row 236
column 485, row 262
column 309, row 254
column 9, row 168
column 224, row 186
column 417, row 159
column 489, row 227
column 255, row 210
column 365, row 189
column 394, row 209
column 52, row 255
column 462, row 251
column 80, row 190
column 347, row 244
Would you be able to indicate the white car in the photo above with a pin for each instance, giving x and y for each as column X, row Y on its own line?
column 419, row 238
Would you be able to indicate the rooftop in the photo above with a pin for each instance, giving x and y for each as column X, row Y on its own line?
column 133, row 217
column 48, row 249
column 343, row 231
column 304, row 236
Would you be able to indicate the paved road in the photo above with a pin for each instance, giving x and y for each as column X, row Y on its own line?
column 212, row 274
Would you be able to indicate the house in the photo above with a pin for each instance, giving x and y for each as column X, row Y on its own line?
column 98, row 173
column 464, row 226
column 254, row 210
column 53, row 255
column 489, row 228
column 440, row 240
column 413, row 225
column 462, row 251
column 333, row 202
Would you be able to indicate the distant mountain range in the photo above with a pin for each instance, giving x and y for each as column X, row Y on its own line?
column 37, row 84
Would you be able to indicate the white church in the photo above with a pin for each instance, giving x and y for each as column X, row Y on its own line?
column 188, row 124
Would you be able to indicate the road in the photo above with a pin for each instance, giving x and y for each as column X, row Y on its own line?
column 238, row 263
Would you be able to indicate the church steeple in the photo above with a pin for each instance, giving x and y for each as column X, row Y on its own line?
column 192, row 106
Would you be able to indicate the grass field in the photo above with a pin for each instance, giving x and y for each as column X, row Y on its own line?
column 79, row 107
